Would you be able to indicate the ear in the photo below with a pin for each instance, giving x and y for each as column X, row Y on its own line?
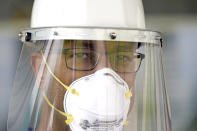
column 36, row 59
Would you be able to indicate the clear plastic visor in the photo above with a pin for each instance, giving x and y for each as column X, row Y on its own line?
column 91, row 85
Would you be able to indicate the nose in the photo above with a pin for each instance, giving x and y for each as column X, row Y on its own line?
column 103, row 62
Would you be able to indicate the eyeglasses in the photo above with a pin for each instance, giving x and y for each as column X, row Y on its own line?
column 82, row 59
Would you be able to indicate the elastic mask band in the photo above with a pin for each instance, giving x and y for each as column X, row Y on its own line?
column 69, row 116
column 73, row 91
column 126, row 123
column 128, row 94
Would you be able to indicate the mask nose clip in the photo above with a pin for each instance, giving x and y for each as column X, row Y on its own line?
column 119, row 82
column 129, row 93
column 115, row 76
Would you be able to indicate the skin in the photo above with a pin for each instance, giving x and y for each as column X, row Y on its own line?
column 50, row 119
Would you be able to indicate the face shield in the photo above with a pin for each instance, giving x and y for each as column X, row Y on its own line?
column 85, row 79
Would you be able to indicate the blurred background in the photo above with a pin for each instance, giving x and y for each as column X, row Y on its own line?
column 176, row 19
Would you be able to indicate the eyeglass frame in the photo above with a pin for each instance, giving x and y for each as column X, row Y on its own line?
column 64, row 51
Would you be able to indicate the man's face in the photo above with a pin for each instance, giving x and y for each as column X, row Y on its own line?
column 70, row 60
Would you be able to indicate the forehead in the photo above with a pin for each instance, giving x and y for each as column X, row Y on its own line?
column 102, row 45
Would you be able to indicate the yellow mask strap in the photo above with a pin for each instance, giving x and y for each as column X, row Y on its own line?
column 128, row 94
column 69, row 116
column 73, row 91
column 126, row 123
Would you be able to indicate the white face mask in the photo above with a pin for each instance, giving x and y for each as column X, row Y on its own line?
column 101, row 105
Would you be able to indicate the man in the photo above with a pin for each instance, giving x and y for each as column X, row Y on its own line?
column 89, row 66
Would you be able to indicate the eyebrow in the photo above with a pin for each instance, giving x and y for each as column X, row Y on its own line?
column 127, row 46
column 125, row 49
column 89, row 44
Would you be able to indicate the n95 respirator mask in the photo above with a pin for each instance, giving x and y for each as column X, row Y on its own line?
column 101, row 105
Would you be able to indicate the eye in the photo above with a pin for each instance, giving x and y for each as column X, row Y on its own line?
column 123, row 58
column 81, row 55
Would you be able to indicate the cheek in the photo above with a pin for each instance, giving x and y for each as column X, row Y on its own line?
column 129, row 79
column 66, row 76
column 56, row 94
